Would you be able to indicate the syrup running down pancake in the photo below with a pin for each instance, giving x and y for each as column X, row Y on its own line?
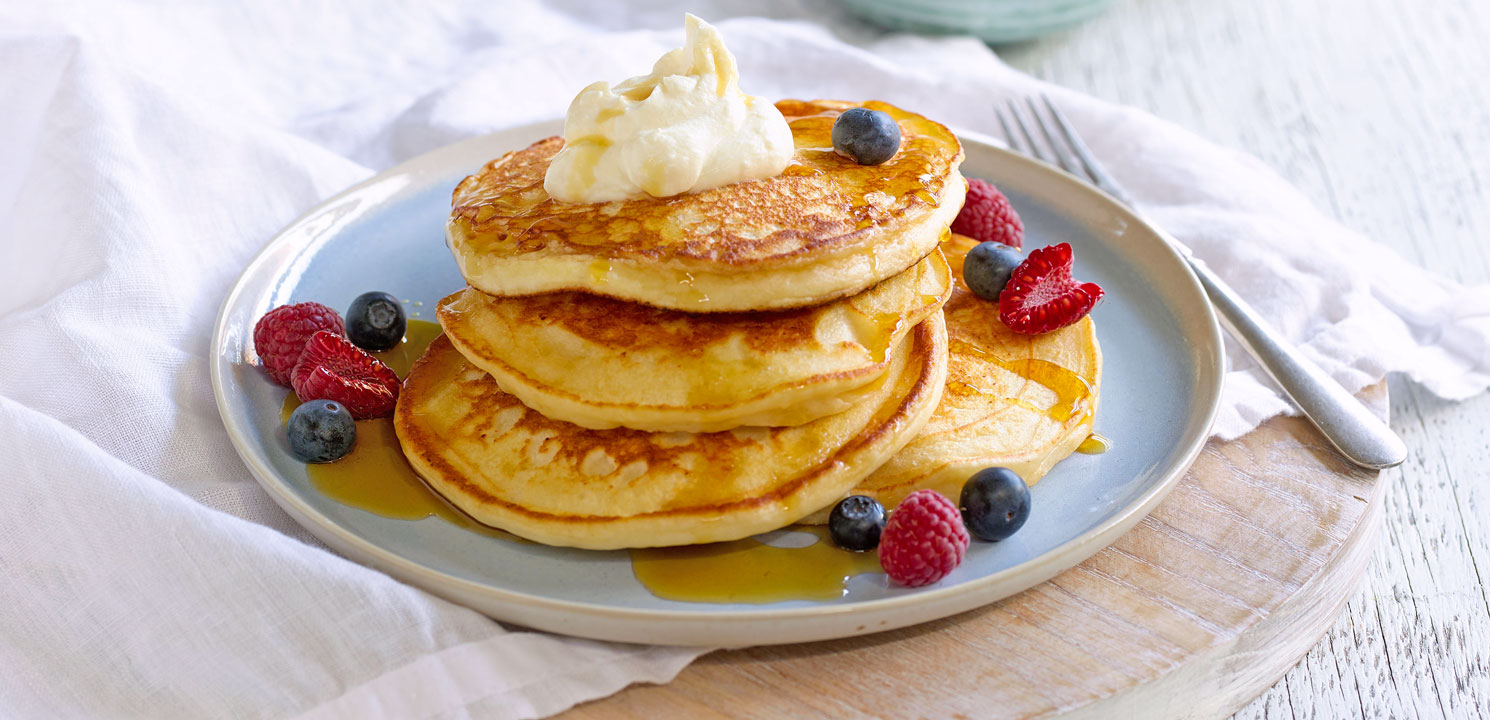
column 826, row 228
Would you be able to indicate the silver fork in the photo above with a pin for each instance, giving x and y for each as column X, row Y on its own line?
column 1359, row 435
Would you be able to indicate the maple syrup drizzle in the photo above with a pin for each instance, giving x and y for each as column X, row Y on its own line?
column 889, row 324
column 599, row 270
column 798, row 169
column 417, row 337
column 1094, row 445
column 958, row 387
column 749, row 571
column 375, row 476
column 1073, row 393
column 812, row 137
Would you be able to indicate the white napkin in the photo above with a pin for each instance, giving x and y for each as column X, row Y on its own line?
column 145, row 156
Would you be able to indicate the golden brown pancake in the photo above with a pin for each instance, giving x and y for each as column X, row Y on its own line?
column 824, row 229
column 1017, row 401
column 560, row 484
column 603, row 363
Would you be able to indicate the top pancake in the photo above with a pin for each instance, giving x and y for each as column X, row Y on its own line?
column 825, row 228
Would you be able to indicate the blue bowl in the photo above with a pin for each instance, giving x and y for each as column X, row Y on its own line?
column 995, row 21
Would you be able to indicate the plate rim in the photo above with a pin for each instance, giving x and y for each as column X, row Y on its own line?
column 961, row 597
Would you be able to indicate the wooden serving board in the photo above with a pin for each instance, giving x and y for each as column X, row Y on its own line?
column 1194, row 612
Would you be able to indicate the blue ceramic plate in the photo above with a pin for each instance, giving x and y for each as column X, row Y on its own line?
column 1162, row 378
column 995, row 21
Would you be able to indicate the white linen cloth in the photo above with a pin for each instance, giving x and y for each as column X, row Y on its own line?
column 148, row 152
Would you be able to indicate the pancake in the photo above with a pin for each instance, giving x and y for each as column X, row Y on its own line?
column 560, row 484
column 826, row 228
column 562, row 354
column 1017, row 401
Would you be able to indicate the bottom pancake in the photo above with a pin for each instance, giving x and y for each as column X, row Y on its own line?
column 1024, row 402
column 559, row 484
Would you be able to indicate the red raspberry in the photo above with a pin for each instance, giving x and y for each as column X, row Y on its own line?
column 987, row 216
column 280, row 335
column 1041, row 296
column 923, row 540
column 332, row 368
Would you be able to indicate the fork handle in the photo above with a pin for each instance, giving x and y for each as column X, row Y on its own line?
column 1355, row 431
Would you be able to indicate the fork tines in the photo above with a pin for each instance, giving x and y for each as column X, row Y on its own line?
column 1057, row 144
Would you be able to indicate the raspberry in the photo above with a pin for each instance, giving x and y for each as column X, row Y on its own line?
column 923, row 540
column 1041, row 296
column 987, row 216
column 332, row 368
column 280, row 335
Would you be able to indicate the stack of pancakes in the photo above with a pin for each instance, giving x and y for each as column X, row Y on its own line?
column 709, row 366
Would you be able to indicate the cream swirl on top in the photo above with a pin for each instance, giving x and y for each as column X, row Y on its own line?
column 684, row 128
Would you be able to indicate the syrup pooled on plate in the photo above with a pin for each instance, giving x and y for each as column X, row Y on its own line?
column 1094, row 445
column 750, row 571
column 374, row 476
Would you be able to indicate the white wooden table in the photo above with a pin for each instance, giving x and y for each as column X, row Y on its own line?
column 1379, row 110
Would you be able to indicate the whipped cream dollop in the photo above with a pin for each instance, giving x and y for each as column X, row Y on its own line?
column 684, row 128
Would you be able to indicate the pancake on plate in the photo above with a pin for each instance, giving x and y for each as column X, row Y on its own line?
column 826, row 228
column 559, row 484
column 1017, row 401
column 603, row 363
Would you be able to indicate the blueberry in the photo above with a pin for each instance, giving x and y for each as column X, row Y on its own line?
column 988, row 267
column 870, row 137
column 995, row 503
column 375, row 321
column 321, row 431
column 856, row 522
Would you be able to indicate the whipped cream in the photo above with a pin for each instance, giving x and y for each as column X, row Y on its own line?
column 684, row 128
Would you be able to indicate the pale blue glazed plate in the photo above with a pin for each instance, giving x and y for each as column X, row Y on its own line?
column 994, row 21
column 1161, row 383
